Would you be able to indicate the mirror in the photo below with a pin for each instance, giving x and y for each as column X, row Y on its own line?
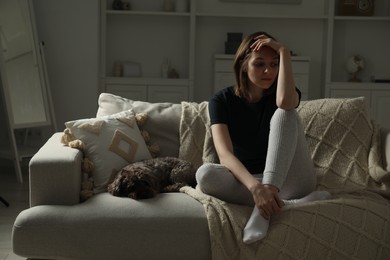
column 23, row 81
column 24, row 84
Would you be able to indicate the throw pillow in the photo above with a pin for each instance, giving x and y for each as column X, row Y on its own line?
column 338, row 132
column 162, row 124
column 111, row 142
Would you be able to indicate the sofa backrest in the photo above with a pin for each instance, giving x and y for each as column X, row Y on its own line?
column 339, row 134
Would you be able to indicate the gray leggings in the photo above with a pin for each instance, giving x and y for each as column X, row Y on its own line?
column 288, row 165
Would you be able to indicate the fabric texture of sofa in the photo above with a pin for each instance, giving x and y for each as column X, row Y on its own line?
column 351, row 154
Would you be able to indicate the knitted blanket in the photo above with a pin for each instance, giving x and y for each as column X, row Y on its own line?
column 354, row 224
column 196, row 144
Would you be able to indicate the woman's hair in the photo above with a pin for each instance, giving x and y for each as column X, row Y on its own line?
column 240, row 66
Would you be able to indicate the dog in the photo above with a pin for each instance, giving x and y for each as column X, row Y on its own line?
column 144, row 179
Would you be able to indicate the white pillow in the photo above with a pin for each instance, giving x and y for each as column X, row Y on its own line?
column 162, row 124
column 111, row 142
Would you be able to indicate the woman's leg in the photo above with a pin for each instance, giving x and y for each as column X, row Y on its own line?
column 216, row 180
column 288, row 167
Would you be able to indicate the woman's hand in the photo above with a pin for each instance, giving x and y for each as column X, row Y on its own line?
column 263, row 40
column 267, row 200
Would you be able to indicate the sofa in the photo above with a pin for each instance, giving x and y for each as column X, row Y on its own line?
column 350, row 152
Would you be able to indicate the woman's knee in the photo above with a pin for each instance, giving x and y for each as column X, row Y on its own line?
column 208, row 175
column 203, row 172
column 291, row 116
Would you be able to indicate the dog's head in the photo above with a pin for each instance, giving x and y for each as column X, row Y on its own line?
column 133, row 183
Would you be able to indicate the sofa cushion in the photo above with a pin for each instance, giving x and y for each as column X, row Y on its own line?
column 111, row 142
column 162, row 124
column 168, row 226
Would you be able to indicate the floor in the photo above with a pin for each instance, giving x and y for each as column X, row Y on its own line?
column 17, row 196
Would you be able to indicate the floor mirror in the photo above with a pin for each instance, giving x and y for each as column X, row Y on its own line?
column 24, row 82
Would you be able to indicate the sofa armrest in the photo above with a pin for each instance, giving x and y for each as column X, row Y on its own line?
column 385, row 137
column 55, row 174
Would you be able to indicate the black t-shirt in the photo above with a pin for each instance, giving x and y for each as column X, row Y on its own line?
column 248, row 125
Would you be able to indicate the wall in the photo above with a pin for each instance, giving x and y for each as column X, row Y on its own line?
column 70, row 30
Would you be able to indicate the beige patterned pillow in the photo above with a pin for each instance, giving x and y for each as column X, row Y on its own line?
column 111, row 142
column 339, row 134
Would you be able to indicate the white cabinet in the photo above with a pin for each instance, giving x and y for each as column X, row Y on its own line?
column 130, row 91
column 377, row 97
column 380, row 107
column 160, row 93
column 224, row 77
column 152, row 90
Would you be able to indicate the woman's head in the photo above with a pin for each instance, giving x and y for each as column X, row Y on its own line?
column 255, row 68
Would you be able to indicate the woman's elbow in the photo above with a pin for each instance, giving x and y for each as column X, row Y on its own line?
column 287, row 103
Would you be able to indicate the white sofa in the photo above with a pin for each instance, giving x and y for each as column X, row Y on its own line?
column 355, row 224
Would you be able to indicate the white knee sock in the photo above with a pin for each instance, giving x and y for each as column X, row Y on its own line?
column 256, row 228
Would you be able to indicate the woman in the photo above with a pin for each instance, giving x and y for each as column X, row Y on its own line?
column 258, row 136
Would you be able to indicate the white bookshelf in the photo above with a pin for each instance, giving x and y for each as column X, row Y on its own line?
column 312, row 29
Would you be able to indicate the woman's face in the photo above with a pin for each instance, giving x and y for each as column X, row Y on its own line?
column 263, row 68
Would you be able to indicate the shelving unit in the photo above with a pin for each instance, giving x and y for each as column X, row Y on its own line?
column 165, row 35
column 312, row 29
column 367, row 36
column 190, row 40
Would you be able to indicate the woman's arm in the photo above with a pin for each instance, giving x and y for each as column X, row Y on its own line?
column 265, row 196
column 287, row 97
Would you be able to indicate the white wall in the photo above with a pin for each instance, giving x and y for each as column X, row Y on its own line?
column 70, row 30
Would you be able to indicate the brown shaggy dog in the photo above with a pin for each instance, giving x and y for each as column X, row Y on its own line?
column 144, row 179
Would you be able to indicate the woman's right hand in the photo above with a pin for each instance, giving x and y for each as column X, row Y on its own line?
column 266, row 199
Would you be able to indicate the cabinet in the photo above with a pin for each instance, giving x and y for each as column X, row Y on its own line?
column 377, row 97
column 223, row 75
column 152, row 90
column 380, row 106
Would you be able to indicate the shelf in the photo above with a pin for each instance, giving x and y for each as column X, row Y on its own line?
column 147, row 81
column 257, row 16
column 363, row 18
column 148, row 13
column 359, row 85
